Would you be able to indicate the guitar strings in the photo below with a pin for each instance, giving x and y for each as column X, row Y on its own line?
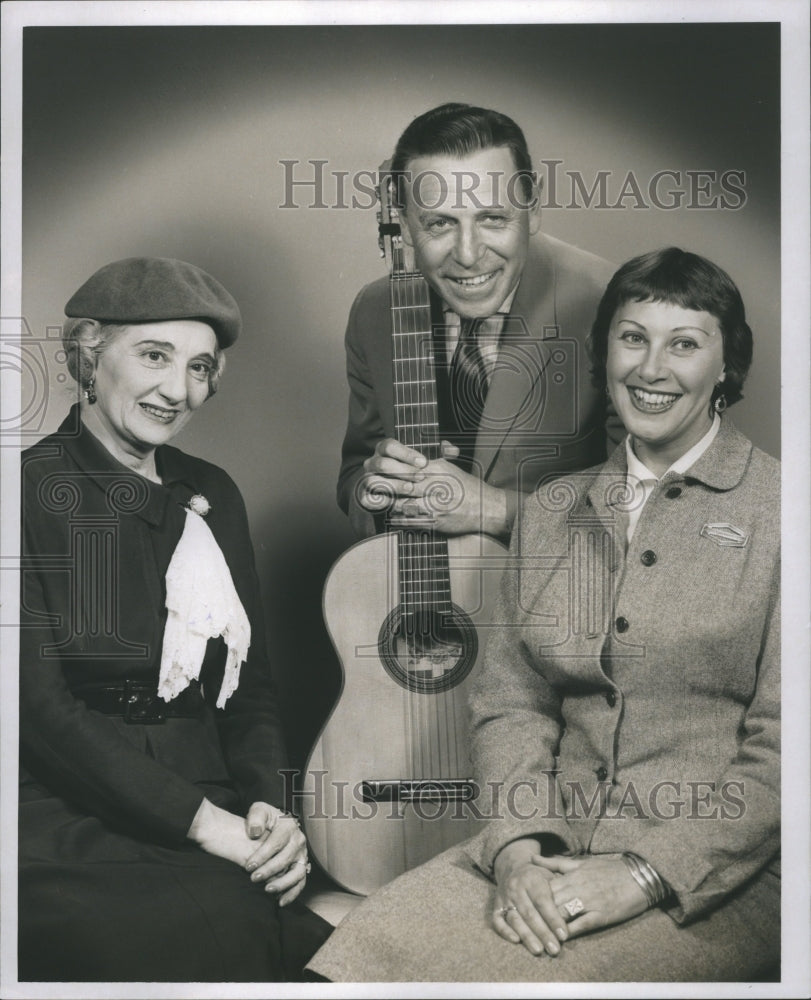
column 406, row 418
column 423, row 572
column 404, row 414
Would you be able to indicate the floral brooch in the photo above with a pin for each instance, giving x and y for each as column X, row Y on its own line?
column 199, row 505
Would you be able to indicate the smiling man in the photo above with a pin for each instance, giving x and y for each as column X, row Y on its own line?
column 511, row 309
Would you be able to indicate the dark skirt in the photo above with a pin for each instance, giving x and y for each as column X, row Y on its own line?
column 96, row 905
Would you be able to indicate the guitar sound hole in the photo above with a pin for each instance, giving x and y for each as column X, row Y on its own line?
column 428, row 650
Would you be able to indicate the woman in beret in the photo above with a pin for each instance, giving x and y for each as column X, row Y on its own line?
column 154, row 844
column 626, row 722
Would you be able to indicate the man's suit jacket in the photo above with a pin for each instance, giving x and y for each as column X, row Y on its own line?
column 543, row 416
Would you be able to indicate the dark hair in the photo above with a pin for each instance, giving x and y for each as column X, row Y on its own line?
column 675, row 276
column 459, row 130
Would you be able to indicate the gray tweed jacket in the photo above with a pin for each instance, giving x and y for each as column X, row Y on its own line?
column 631, row 701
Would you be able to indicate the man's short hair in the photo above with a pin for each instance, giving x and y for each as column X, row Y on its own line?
column 458, row 130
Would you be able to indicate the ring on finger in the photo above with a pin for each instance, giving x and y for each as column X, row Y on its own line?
column 282, row 815
column 504, row 910
column 574, row 906
column 307, row 866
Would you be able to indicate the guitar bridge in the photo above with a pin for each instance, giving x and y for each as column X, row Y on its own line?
column 419, row 790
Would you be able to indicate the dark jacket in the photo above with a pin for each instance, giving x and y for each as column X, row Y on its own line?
column 97, row 540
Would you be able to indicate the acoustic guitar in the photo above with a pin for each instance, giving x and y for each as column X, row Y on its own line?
column 388, row 783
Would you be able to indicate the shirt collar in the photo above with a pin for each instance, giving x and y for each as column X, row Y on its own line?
column 721, row 467
column 638, row 469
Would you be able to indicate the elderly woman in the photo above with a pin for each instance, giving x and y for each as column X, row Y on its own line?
column 154, row 842
column 626, row 721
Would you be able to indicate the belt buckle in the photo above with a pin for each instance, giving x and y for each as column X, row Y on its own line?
column 141, row 706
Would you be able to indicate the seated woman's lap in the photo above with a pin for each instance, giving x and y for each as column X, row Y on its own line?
column 96, row 906
column 445, row 943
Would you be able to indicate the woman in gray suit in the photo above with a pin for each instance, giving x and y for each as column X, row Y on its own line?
column 625, row 724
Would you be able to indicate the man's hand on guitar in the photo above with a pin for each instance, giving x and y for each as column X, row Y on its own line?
column 400, row 481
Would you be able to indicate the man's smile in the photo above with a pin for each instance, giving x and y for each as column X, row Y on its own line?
column 474, row 281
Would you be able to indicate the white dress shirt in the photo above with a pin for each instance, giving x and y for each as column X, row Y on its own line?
column 641, row 481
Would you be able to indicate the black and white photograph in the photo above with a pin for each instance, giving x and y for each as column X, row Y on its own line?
column 438, row 653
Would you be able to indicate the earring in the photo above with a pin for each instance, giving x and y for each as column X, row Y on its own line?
column 90, row 391
column 720, row 403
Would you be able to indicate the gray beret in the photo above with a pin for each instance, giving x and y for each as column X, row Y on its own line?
column 155, row 289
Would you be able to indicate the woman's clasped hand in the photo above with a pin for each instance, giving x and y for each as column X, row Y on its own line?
column 544, row 901
column 268, row 844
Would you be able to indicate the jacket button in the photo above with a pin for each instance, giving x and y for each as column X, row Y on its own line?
column 602, row 773
column 611, row 698
column 622, row 624
column 673, row 492
column 648, row 557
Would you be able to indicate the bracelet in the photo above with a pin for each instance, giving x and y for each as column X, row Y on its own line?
column 647, row 878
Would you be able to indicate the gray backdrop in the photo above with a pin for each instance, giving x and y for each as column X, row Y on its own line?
column 168, row 141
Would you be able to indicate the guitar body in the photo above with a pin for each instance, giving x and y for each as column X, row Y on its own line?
column 386, row 784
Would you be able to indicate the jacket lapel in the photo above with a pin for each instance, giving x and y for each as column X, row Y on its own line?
column 516, row 390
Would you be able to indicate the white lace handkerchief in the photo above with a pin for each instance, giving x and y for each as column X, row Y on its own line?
column 202, row 604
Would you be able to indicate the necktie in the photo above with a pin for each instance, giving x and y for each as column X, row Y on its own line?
column 468, row 388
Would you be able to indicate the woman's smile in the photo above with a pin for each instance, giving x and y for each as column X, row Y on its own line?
column 652, row 402
column 159, row 413
column 663, row 363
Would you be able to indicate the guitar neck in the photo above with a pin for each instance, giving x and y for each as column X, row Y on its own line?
column 424, row 573
column 423, row 555
column 416, row 414
column 424, row 576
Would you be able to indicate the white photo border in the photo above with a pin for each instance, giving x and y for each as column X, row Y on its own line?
column 795, row 416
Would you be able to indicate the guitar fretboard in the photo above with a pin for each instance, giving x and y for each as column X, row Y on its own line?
column 416, row 416
column 424, row 575
column 423, row 555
